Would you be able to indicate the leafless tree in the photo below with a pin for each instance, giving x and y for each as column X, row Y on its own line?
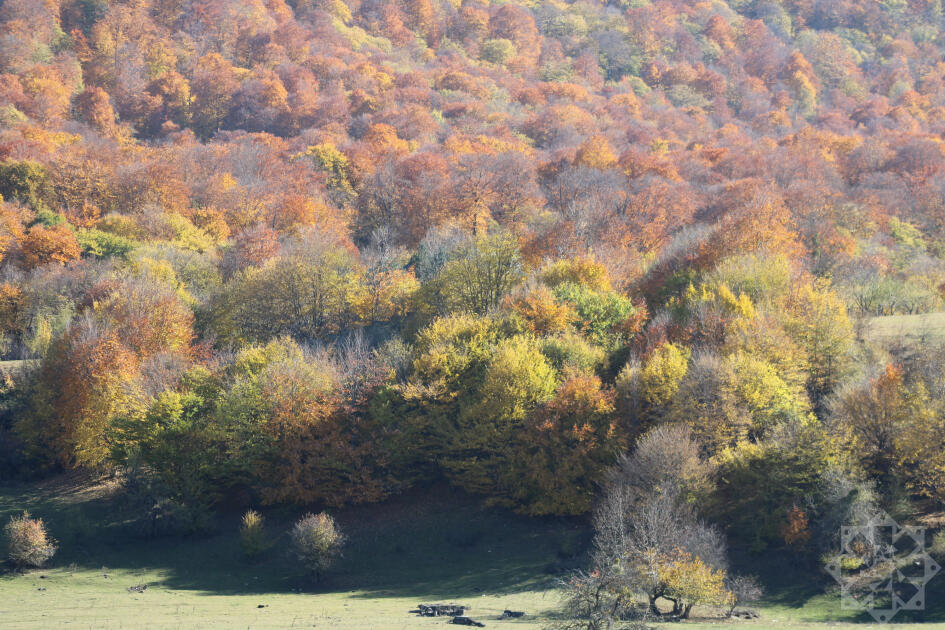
column 744, row 589
column 666, row 456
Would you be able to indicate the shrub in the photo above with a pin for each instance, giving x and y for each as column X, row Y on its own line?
column 28, row 544
column 253, row 535
column 317, row 542
column 743, row 589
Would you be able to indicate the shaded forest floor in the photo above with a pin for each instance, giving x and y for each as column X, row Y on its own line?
column 435, row 546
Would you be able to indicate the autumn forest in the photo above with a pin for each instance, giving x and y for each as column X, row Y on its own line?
column 683, row 257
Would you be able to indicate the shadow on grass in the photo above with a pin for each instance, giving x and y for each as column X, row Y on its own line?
column 812, row 596
column 443, row 548
column 450, row 547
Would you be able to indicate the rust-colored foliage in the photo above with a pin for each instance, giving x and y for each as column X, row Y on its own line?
column 182, row 178
column 796, row 531
column 42, row 245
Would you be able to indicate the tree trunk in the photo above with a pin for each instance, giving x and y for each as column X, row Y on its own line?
column 653, row 607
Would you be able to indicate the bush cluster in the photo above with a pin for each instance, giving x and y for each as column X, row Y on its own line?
column 28, row 543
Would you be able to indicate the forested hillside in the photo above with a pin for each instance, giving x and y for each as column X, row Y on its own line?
column 322, row 251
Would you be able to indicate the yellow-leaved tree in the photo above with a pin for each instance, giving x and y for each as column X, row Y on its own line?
column 685, row 581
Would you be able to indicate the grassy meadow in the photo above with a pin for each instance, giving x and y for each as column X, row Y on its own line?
column 425, row 547
column 925, row 325
column 398, row 555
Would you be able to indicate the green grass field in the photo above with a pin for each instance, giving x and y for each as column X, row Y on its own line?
column 409, row 550
column 400, row 554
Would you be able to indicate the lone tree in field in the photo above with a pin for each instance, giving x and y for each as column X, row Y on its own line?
column 649, row 541
column 317, row 542
column 648, row 532
column 28, row 544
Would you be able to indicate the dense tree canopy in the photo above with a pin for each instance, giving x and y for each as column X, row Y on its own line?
column 320, row 251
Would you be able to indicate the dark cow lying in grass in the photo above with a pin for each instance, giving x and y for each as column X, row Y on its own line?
column 512, row 614
column 440, row 610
